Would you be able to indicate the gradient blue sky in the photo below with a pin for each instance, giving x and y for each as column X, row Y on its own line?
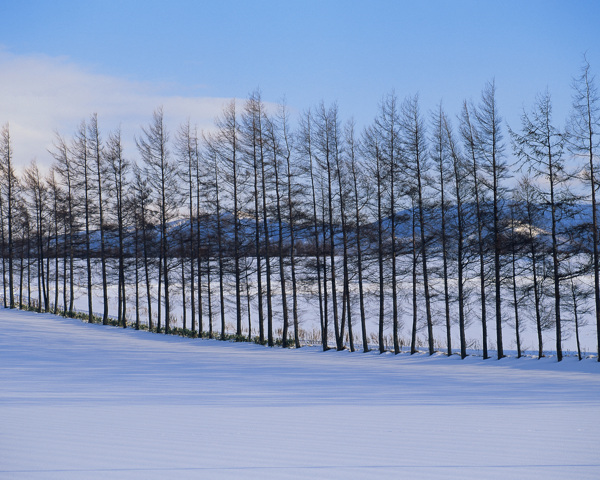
column 60, row 61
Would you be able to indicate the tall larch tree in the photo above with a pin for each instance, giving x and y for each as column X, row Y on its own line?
column 460, row 174
column 36, row 192
column 253, row 147
column 470, row 140
column 118, row 169
column 358, row 203
column 387, row 126
column 372, row 152
column 65, row 168
column 8, row 181
column 305, row 146
column 228, row 149
column 414, row 145
column 162, row 176
column 187, row 150
column 540, row 146
column 583, row 141
column 440, row 154
column 97, row 157
column 84, row 183
column 491, row 148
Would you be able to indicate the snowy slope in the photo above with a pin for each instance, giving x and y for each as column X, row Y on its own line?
column 86, row 401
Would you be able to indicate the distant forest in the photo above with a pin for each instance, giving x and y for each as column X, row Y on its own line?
column 414, row 224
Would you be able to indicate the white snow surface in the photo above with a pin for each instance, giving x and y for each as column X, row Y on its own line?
column 81, row 401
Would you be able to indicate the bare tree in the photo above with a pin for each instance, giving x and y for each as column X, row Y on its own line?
column 24, row 228
column 214, row 185
column 327, row 155
column 529, row 213
column 576, row 300
column 415, row 162
column 36, row 192
column 227, row 148
column 65, row 169
column 275, row 149
column 583, row 140
column 187, row 149
column 55, row 198
column 441, row 157
column 387, row 128
column 415, row 264
column 293, row 195
column 471, row 144
column 118, row 168
column 162, row 176
column 491, row 148
column 2, row 249
column 305, row 146
column 253, row 144
column 540, row 147
column 84, row 188
column 144, row 231
column 99, row 169
column 516, row 241
column 358, row 201
column 372, row 151
column 8, row 180
column 197, row 169
column 460, row 175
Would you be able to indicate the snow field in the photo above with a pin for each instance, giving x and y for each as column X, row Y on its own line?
column 87, row 401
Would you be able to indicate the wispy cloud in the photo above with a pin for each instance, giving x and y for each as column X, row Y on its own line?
column 40, row 95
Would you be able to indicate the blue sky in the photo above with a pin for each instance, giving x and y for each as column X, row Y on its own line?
column 60, row 61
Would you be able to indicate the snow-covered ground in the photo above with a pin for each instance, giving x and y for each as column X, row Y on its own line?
column 308, row 310
column 87, row 401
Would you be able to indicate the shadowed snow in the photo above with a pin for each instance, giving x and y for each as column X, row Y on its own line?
column 87, row 401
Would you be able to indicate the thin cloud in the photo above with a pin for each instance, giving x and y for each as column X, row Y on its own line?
column 40, row 95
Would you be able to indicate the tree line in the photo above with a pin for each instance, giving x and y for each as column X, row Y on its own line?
column 419, row 222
